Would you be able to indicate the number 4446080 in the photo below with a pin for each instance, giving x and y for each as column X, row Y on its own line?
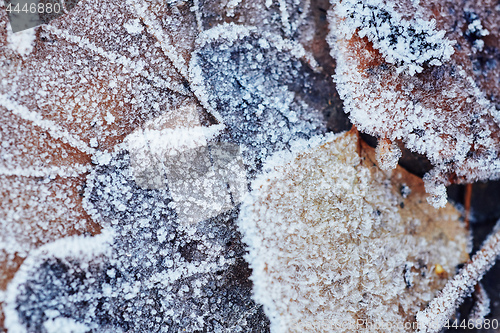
column 40, row 8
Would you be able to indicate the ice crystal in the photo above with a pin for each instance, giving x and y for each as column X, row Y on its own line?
column 21, row 42
column 334, row 246
column 388, row 154
column 407, row 43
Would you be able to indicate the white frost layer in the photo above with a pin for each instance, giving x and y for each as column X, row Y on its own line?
column 231, row 33
column 134, row 27
column 203, row 181
column 167, row 44
column 56, row 131
column 21, row 42
column 408, row 44
column 385, row 102
column 50, row 171
column 65, row 325
column 136, row 66
column 76, row 247
column 174, row 141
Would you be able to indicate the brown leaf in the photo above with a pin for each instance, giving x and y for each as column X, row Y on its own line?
column 448, row 110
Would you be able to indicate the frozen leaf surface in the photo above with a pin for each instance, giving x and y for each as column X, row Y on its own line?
column 426, row 74
column 120, row 118
column 259, row 93
column 64, row 104
column 407, row 44
column 337, row 244
column 156, row 276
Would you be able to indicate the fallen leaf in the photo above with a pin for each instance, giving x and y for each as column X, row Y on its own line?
column 335, row 243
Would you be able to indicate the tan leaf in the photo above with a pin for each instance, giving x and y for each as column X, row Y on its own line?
column 337, row 244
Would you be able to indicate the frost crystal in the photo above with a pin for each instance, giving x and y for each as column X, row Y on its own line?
column 274, row 113
column 334, row 246
column 388, row 154
column 21, row 42
column 204, row 180
column 407, row 43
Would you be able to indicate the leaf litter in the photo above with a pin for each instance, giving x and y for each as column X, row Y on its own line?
column 102, row 89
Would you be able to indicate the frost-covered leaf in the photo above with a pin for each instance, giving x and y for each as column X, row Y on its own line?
column 157, row 274
column 336, row 244
column 259, row 93
column 116, row 118
column 71, row 97
column 448, row 110
column 409, row 44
